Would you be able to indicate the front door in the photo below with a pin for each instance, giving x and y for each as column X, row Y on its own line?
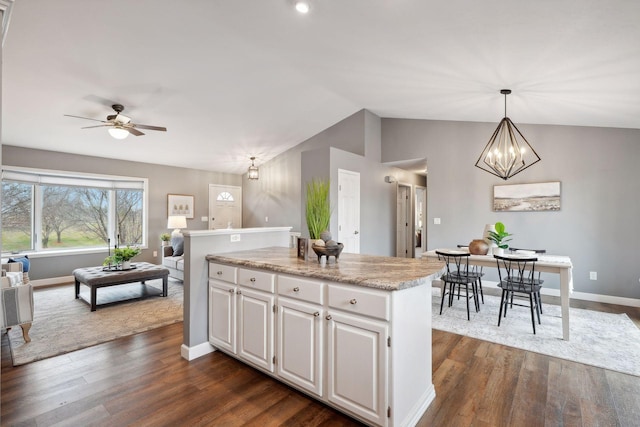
column 225, row 206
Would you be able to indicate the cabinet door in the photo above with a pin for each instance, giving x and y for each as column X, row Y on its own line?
column 222, row 315
column 357, row 365
column 255, row 327
column 300, row 343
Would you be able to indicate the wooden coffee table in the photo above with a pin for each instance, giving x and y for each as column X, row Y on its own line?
column 96, row 277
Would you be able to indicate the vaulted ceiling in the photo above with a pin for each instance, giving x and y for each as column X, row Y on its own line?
column 232, row 79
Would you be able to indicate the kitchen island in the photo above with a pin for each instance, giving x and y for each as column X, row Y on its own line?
column 354, row 334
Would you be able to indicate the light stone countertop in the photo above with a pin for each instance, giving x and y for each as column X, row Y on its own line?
column 387, row 273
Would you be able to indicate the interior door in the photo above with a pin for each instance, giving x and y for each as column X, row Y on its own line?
column 404, row 224
column 225, row 206
column 349, row 210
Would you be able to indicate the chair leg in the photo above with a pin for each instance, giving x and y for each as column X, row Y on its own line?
column 481, row 291
column 444, row 293
column 540, row 302
column 502, row 302
column 466, row 286
column 538, row 308
column 533, row 320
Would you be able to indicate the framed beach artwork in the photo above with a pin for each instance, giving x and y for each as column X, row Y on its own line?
column 180, row 204
column 543, row 196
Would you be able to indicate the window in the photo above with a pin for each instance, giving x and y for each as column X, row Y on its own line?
column 225, row 196
column 45, row 211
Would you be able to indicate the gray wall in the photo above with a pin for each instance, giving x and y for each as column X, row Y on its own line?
column 597, row 225
column 163, row 180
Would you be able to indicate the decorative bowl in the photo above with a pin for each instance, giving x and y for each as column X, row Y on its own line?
column 328, row 251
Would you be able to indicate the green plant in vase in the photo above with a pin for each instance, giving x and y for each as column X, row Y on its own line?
column 165, row 237
column 318, row 209
column 121, row 256
column 500, row 237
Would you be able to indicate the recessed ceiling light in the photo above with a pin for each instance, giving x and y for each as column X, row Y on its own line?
column 302, row 6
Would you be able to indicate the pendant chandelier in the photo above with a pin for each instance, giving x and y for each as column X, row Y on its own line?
column 252, row 172
column 507, row 152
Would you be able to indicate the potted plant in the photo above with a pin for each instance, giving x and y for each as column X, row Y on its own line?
column 499, row 237
column 165, row 237
column 318, row 212
column 122, row 257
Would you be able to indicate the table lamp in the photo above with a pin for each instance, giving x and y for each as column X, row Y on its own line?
column 176, row 222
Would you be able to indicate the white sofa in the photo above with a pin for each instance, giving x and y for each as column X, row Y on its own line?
column 175, row 264
column 16, row 299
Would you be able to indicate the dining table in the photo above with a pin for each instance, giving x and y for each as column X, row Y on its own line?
column 555, row 264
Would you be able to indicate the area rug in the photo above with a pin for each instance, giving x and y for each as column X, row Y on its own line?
column 62, row 323
column 605, row 340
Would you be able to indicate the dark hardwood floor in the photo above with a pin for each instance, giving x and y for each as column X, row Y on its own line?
column 142, row 380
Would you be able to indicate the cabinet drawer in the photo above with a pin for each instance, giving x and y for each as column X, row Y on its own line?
column 368, row 302
column 301, row 289
column 256, row 280
column 223, row 272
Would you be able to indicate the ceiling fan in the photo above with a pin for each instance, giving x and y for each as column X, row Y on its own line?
column 119, row 125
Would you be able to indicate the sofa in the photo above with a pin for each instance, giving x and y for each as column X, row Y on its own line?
column 16, row 298
column 173, row 259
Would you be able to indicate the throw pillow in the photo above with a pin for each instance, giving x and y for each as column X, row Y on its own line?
column 25, row 262
column 177, row 242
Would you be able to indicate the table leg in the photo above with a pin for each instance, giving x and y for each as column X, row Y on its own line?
column 77, row 289
column 93, row 298
column 564, row 302
column 165, row 286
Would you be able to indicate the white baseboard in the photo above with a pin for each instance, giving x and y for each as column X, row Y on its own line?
column 194, row 352
column 607, row 299
column 63, row 280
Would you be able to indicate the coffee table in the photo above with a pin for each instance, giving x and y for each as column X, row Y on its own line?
column 96, row 277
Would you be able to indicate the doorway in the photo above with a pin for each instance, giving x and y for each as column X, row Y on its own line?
column 404, row 222
column 225, row 206
column 420, row 221
column 349, row 210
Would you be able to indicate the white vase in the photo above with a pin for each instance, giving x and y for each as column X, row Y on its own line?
column 126, row 265
column 498, row 251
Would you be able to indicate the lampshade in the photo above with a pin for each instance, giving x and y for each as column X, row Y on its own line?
column 253, row 172
column 118, row 132
column 507, row 152
column 177, row 222
column 302, row 6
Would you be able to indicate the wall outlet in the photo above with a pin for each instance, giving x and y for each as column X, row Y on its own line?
column 204, row 218
column 266, row 219
column 155, row 253
column 593, row 275
column 235, row 237
column 436, row 221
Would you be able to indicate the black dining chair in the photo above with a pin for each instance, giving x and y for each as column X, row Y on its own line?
column 518, row 278
column 537, row 252
column 456, row 276
column 476, row 271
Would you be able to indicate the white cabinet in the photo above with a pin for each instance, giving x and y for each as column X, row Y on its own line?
column 255, row 327
column 357, row 365
column 241, row 319
column 222, row 315
column 300, row 344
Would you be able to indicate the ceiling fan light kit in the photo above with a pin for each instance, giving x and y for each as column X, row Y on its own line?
column 119, row 125
column 508, row 152
column 302, row 6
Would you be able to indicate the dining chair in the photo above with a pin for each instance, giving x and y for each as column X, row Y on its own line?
column 476, row 270
column 532, row 252
column 456, row 276
column 518, row 278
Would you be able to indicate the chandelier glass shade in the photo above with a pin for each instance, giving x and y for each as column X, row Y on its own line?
column 508, row 152
column 253, row 172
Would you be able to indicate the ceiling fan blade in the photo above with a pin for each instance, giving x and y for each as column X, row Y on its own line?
column 134, row 131
column 96, row 126
column 160, row 128
column 86, row 118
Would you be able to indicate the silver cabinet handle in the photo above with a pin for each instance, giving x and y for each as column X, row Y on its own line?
column 296, row 289
column 219, row 273
column 231, row 290
column 239, row 292
column 353, row 301
column 355, row 232
column 253, row 279
column 328, row 317
column 317, row 313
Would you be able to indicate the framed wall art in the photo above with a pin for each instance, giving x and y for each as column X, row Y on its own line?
column 180, row 204
column 543, row 196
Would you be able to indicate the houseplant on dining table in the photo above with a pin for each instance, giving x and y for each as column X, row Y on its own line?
column 500, row 237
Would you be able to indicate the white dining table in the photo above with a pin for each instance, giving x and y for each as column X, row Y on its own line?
column 555, row 264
